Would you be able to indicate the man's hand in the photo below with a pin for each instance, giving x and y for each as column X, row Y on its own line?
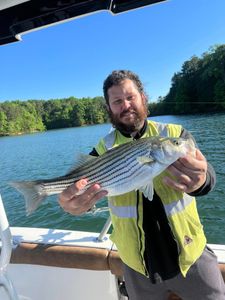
column 189, row 173
column 76, row 204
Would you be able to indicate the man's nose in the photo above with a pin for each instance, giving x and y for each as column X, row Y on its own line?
column 126, row 104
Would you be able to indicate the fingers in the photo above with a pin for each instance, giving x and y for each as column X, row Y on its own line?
column 193, row 163
column 189, row 173
column 91, row 195
column 72, row 190
column 74, row 201
column 175, row 184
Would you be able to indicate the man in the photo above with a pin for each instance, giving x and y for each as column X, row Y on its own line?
column 162, row 244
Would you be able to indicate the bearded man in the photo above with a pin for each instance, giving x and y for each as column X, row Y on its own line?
column 161, row 242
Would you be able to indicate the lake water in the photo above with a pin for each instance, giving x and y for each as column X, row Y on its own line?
column 53, row 153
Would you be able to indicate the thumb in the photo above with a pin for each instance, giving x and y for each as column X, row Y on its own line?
column 199, row 155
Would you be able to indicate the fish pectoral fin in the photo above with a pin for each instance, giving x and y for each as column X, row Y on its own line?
column 148, row 191
column 145, row 159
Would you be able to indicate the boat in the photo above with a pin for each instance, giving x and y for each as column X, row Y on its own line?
column 55, row 264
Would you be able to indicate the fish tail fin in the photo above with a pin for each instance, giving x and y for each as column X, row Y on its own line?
column 33, row 194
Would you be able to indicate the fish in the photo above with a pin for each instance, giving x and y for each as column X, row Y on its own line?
column 127, row 167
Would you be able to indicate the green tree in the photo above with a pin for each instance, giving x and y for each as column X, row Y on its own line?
column 3, row 123
column 77, row 115
column 199, row 86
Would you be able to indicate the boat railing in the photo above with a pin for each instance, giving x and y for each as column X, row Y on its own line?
column 6, row 251
column 105, row 229
column 107, row 224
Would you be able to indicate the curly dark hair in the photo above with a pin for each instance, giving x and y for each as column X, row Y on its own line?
column 116, row 77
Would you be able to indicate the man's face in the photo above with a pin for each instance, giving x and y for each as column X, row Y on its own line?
column 127, row 106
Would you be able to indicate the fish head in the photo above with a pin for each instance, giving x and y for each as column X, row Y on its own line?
column 168, row 150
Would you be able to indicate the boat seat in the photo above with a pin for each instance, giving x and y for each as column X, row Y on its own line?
column 61, row 256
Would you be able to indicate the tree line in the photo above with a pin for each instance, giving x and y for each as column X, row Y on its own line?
column 198, row 88
column 19, row 117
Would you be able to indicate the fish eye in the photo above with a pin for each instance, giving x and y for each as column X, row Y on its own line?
column 176, row 142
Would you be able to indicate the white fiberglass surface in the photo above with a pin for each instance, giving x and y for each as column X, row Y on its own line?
column 50, row 283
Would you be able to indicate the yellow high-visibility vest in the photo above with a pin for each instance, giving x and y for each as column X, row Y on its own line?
column 127, row 211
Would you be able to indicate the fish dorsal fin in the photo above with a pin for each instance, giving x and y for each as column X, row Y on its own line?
column 148, row 191
column 145, row 159
column 81, row 160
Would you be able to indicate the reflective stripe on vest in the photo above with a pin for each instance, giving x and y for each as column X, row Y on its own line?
column 109, row 139
column 162, row 129
column 170, row 209
column 123, row 211
column 178, row 206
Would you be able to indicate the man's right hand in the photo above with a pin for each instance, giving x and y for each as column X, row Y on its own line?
column 75, row 203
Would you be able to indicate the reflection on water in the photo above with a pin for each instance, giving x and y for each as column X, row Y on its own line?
column 52, row 153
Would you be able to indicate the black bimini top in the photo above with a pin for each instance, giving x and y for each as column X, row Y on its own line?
column 20, row 16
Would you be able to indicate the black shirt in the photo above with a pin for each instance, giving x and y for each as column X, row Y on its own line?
column 161, row 252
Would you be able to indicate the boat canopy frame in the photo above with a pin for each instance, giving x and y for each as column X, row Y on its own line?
column 21, row 16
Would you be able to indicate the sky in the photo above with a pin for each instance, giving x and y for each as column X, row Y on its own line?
column 74, row 58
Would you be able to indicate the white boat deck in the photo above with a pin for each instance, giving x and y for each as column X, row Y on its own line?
column 59, row 237
column 219, row 251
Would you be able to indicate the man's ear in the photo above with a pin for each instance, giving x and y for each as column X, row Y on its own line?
column 144, row 98
column 145, row 103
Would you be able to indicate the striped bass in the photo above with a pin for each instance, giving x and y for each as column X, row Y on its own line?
column 128, row 167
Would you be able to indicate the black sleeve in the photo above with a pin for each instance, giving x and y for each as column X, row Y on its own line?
column 210, row 175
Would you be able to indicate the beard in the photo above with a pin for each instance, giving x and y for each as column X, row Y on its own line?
column 139, row 116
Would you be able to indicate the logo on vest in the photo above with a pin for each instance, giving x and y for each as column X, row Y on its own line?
column 187, row 240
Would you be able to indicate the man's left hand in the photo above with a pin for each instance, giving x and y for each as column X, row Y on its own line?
column 189, row 173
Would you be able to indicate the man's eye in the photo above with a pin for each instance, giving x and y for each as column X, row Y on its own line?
column 118, row 101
